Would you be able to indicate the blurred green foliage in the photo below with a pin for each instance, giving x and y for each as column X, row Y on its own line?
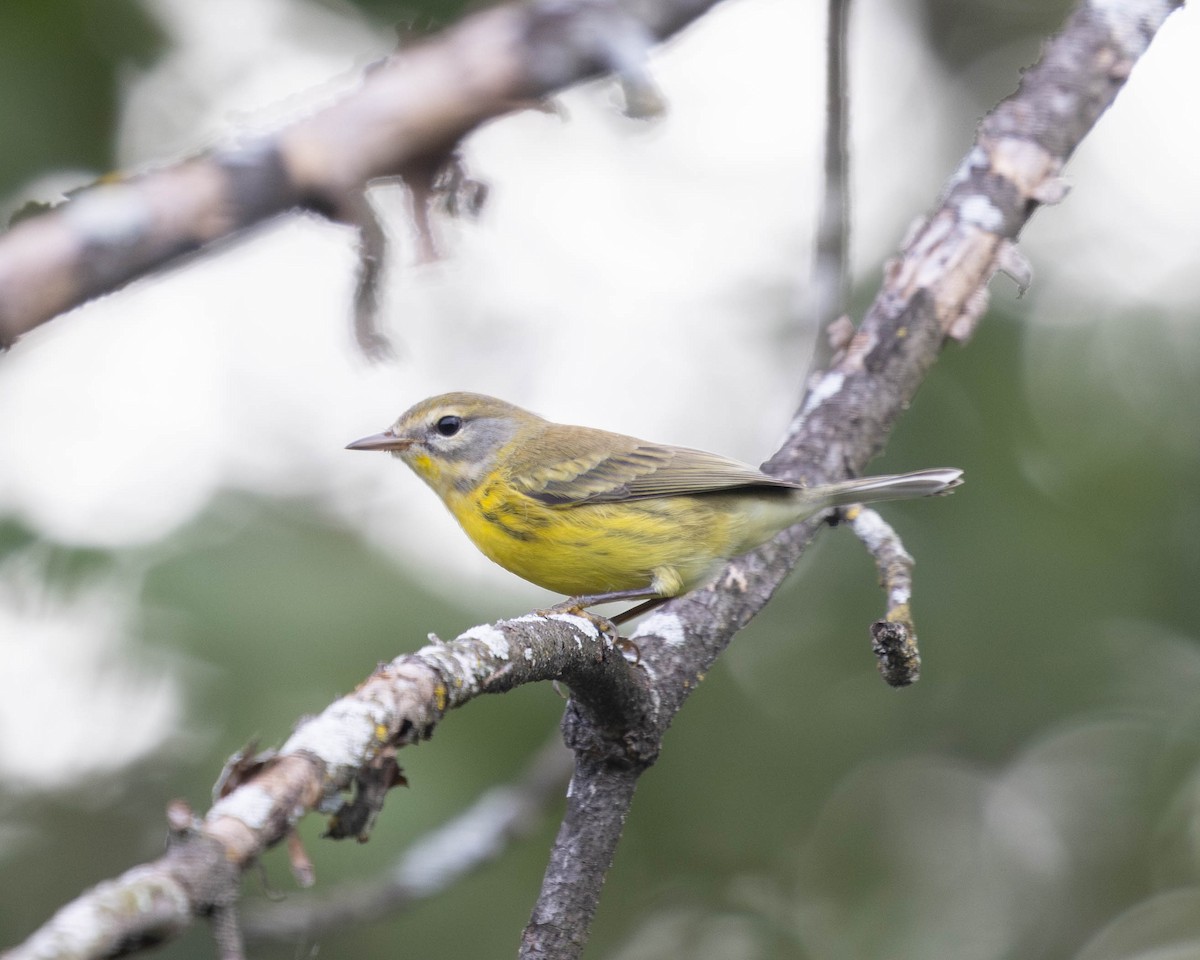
column 963, row 33
column 60, row 64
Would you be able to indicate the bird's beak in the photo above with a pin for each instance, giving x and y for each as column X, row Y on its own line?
column 380, row 441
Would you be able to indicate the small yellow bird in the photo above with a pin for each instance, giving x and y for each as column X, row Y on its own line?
column 602, row 517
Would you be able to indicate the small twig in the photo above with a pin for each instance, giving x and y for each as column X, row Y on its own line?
column 372, row 251
column 227, row 933
column 831, row 270
column 459, row 847
column 894, row 639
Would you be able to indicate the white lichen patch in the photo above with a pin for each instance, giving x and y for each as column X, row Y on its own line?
column 975, row 159
column 113, row 213
column 899, row 596
column 874, row 531
column 583, row 624
column 341, row 735
column 879, row 537
column 250, row 804
column 1127, row 23
column 979, row 211
column 828, row 387
column 735, row 579
column 665, row 625
column 457, row 663
column 490, row 637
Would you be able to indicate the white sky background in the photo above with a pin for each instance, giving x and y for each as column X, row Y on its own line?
column 623, row 274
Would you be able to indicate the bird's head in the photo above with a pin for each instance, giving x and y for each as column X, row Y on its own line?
column 452, row 441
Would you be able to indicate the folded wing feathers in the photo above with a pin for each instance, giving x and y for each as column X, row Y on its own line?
column 642, row 471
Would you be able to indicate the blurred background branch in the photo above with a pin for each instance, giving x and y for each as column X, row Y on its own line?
column 403, row 120
column 831, row 264
column 443, row 857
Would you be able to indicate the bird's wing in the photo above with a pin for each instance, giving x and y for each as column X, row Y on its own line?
column 615, row 468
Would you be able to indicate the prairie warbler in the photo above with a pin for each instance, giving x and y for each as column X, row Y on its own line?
column 603, row 517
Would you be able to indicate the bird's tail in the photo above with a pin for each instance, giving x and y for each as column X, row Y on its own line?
column 903, row 486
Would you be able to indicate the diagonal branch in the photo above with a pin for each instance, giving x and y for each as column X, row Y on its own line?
column 933, row 290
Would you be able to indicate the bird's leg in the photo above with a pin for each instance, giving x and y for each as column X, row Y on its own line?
column 636, row 611
column 577, row 606
column 632, row 613
column 606, row 626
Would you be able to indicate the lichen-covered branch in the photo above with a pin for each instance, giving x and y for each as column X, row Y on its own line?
column 935, row 289
column 327, row 756
column 894, row 638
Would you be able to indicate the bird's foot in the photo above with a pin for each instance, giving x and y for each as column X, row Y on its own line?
column 576, row 609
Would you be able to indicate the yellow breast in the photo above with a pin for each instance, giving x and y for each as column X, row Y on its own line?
column 579, row 549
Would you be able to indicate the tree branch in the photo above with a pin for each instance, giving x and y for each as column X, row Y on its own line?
column 894, row 639
column 432, row 865
column 935, row 289
column 399, row 704
column 405, row 118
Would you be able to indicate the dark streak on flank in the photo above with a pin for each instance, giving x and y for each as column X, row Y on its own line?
column 494, row 518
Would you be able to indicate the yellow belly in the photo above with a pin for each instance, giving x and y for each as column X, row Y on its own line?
column 673, row 543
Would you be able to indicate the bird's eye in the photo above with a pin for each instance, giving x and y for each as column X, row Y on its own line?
column 448, row 426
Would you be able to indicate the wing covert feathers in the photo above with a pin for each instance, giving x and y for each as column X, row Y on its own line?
column 620, row 468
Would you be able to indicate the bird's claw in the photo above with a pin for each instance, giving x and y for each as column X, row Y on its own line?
column 606, row 627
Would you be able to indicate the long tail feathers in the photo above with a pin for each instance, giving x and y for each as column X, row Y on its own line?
column 904, row 486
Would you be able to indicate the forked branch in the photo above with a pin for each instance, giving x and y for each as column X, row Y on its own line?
column 350, row 748
column 934, row 290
